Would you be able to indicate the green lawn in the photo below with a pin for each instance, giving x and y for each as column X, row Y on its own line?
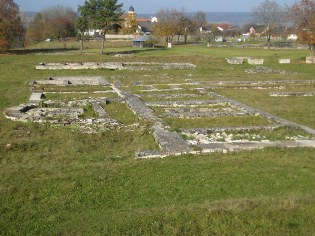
column 55, row 180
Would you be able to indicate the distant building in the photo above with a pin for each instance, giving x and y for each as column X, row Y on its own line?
column 141, row 42
column 145, row 25
column 293, row 37
column 224, row 27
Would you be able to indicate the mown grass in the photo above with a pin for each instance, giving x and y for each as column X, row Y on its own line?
column 71, row 88
column 297, row 109
column 211, row 122
column 55, row 180
column 71, row 96
column 121, row 113
column 264, row 191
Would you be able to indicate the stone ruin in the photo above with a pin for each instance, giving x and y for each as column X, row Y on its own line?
column 204, row 140
column 194, row 105
column 284, row 61
column 235, row 61
column 292, row 94
column 240, row 60
column 115, row 66
column 78, row 80
column 267, row 70
column 39, row 110
column 256, row 61
column 310, row 60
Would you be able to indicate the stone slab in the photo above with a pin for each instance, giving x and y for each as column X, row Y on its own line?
column 170, row 142
column 99, row 110
column 235, row 61
column 36, row 98
column 292, row 94
column 284, row 61
column 255, row 61
column 310, row 60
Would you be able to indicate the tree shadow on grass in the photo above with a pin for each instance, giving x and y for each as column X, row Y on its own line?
column 134, row 51
column 62, row 50
column 42, row 50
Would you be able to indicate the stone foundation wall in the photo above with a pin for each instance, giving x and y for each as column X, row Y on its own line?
column 310, row 60
column 284, row 61
column 255, row 61
column 235, row 61
column 115, row 66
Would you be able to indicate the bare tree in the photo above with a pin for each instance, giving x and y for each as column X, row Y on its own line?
column 199, row 22
column 271, row 15
column 200, row 19
column 60, row 22
column 55, row 22
column 167, row 26
column 302, row 15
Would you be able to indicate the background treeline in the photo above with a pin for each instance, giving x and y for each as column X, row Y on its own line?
column 53, row 23
column 58, row 23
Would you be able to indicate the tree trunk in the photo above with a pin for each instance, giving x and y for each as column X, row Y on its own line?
column 178, row 38
column 185, row 38
column 312, row 48
column 81, row 46
column 103, row 44
column 268, row 39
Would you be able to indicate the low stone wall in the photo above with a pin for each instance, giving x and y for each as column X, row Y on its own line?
column 226, row 129
column 98, row 109
column 262, row 83
column 170, row 142
column 292, row 94
column 80, row 66
column 266, row 70
column 284, row 61
column 185, row 103
column 235, row 61
column 310, row 60
column 255, row 61
column 18, row 113
column 72, row 80
column 203, row 114
column 170, row 96
column 36, row 97
column 115, row 66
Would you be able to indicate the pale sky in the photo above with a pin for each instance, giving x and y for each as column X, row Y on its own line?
column 152, row 6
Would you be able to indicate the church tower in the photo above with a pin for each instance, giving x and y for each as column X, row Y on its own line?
column 131, row 13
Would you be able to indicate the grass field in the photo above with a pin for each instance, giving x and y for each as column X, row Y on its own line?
column 55, row 180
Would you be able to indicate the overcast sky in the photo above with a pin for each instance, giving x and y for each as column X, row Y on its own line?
column 152, row 6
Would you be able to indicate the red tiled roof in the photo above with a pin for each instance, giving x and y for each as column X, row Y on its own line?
column 144, row 19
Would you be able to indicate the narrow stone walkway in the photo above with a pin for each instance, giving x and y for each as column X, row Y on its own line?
column 170, row 142
column 241, row 146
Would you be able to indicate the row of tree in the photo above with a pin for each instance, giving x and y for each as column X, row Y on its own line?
column 11, row 29
column 301, row 16
column 105, row 15
column 53, row 23
column 298, row 19
column 174, row 22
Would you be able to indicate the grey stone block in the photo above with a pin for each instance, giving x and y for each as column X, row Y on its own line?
column 255, row 61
